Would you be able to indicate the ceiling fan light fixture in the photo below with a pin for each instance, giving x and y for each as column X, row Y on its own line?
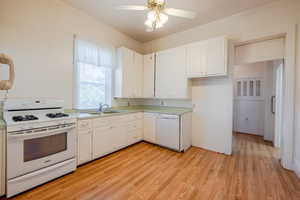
column 149, row 23
column 158, row 14
column 163, row 18
column 159, row 25
column 151, row 16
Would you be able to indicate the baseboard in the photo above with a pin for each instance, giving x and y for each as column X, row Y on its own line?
column 297, row 167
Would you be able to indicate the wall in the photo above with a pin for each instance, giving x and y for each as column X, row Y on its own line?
column 249, row 70
column 260, row 51
column 271, row 20
column 38, row 35
column 297, row 106
column 212, row 116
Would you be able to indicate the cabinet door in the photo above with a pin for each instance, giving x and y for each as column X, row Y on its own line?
column 103, row 141
column 216, row 53
column 134, row 136
column 149, row 127
column 84, row 146
column 207, row 58
column 119, row 137
column 149, row 70
column 137, row 75
column 196, row 60
column 171, row 79
column 127, row 67
column 2, row 162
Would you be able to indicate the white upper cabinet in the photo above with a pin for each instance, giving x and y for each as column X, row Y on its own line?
column 138, row 75
column 149, row 76
column 129, row 74
column 207, row 58
column 171, row 80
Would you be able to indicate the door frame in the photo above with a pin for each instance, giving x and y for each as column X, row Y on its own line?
column 287, row 143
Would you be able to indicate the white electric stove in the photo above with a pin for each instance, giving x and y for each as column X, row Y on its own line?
column 41, row 143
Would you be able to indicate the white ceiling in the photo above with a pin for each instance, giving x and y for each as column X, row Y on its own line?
column 132, row 22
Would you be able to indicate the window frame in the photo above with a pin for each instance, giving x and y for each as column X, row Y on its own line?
column 77, row 82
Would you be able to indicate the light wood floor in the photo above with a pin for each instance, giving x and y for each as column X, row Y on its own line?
column 145, row 171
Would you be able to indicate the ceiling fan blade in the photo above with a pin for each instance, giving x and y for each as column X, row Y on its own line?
column 132, row 7
column 180, row 13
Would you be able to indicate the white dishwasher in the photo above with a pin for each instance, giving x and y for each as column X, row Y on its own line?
column 168, row 131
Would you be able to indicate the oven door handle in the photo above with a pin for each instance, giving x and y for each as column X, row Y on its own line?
column 40, row 134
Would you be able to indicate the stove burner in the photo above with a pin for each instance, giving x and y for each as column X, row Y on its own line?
column 57, row 115
column 24, row 118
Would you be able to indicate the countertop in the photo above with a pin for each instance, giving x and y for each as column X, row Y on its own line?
column 126, row 110
column 134, row 109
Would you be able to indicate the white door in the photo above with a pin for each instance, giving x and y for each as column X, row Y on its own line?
column 137, row 75
column 279, row 105
column 84, row 146
column 216, row 53
column 249, row 106
column 134, row 136
column 250, row 117
column 102, row 141
column 196, row 60
column 2, row 161
column 119, row 137
column 127, row 69
column 171, row 79
column 149, row 70
column 149, row 127
column 207, row 58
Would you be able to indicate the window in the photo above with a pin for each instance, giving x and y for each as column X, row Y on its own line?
column 248, row 88
column 94, row 66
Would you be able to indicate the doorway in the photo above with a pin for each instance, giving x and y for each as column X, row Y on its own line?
column 258, row 99
column 258, row 75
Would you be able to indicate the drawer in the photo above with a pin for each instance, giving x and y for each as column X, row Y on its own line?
column 134, row 116
column 84, row 124
column 102, row 122
column 109, row 121
column 138, row 124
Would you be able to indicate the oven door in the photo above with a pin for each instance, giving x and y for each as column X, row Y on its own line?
column 28, row 152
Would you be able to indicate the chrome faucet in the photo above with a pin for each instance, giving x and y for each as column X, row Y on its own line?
column 103, row 107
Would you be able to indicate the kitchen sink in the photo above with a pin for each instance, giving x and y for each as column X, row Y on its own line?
column 104, row 112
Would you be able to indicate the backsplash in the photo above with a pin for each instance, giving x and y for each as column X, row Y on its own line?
column 153, row 102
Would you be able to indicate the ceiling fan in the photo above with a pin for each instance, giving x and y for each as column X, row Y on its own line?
column 158, row 13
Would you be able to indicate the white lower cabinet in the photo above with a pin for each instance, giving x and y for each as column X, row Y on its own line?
column 119, row 138
column 149, row 127
column 2, row 162
column 102, row 141
column 101, row 136
column 84, row 152
column 134, row 136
